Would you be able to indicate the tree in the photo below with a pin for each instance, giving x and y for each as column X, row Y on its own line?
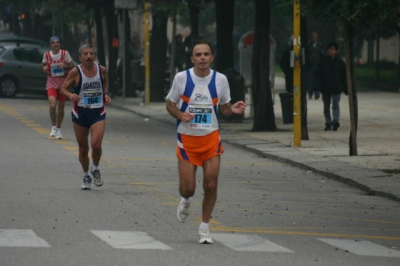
column 304, row 80
column 351, row 13
column 264, row 117
column 194, row 9
column 224, row 18
column 158, row 51
column 99, row 34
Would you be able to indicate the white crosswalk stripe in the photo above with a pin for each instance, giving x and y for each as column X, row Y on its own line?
column 130, row 240
column 21, row 238
column 241, row 242
column 361, row 247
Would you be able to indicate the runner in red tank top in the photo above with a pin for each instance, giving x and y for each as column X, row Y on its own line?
column 56, row 64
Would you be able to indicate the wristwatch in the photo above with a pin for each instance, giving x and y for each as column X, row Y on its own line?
column 106, row 93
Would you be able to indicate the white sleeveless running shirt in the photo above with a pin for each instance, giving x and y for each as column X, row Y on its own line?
column 91, row 90
column 200, row 102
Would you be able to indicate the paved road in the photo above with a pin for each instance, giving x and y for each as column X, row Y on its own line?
column 268, row 212
column 376, row 168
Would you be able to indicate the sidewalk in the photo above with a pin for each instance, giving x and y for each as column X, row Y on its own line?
column 376, row 169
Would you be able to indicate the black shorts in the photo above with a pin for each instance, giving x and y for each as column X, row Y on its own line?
column 86, row 117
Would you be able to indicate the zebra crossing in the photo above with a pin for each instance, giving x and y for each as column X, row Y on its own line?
column 237, row 242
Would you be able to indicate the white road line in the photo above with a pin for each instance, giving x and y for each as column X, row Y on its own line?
column 361, row 247
column 241, row 242
column 130, row 240
column 21, row 238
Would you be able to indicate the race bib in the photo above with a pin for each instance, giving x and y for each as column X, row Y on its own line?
column 93, row 100
column 56, row 70
column 203, row 116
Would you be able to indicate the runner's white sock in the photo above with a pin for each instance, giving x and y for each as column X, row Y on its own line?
column 189, row 200
column 95, row 168
column 204, row 226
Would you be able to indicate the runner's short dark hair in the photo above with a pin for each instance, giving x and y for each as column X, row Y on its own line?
column 333, row 44
column 201, row 41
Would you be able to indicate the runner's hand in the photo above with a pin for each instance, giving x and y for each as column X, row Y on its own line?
column 238, row 107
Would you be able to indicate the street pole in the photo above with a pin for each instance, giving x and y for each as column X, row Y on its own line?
column 296, row 75
column 124, row 54
column 147, row 51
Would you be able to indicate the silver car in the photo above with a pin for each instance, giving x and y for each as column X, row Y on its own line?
column 20, row 69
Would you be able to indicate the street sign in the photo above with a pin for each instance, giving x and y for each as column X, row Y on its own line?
column 125, row 4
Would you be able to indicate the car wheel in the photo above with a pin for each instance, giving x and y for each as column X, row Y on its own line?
column 8, row 87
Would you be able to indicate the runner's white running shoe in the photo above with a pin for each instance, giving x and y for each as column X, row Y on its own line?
column 204, row 236
column 98, row 181
column 87, row 180
column 53, row 132
column 59, row 135
column 183, row 210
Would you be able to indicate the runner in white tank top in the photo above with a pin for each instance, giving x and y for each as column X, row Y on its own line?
column 90, row 82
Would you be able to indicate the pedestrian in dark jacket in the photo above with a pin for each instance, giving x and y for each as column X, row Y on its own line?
column 287, row 70
column 331, row 79
column 314, row 52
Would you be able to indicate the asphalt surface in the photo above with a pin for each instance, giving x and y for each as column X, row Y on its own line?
column 375, row 169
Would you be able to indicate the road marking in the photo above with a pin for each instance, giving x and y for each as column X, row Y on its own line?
column 362, row 247
column 130, row 240
column 261, row 230
column 71, row 148
column 41, row 130
column 21, row 238
column 241, row 242
column 33, row 124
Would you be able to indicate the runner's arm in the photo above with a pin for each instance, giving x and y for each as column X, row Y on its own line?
column 72, row 79
column 104, row 74
column 44, row 65
column 236, row 108
column 70, row 65
column 176, row 113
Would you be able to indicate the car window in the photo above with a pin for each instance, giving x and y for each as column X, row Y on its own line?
column 28, row 54
column 2, row 50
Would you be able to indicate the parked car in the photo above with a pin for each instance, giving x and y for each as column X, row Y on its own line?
column 20, row 69
column 9, row 38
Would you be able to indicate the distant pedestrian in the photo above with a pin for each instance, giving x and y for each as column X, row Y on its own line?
column 287, row 69
column 236, row 35
column 194, row 100
column 187, row 43
column 180, row 54
column 315, row 51
column 331, row 79
column 90, row 82
column 56, row 64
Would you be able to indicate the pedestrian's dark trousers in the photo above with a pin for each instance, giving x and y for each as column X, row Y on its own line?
column 327, row 100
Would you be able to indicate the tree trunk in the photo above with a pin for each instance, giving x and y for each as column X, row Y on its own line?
column 304, row 79
column 127, row 79
column 224, row 18
column 264, row 116
column 99, row 35
column 351, row 86
column 398, row 65
column 158, row 55
column 172, row 51
column 194, row 10
column 113, row 39
column 378, row 48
